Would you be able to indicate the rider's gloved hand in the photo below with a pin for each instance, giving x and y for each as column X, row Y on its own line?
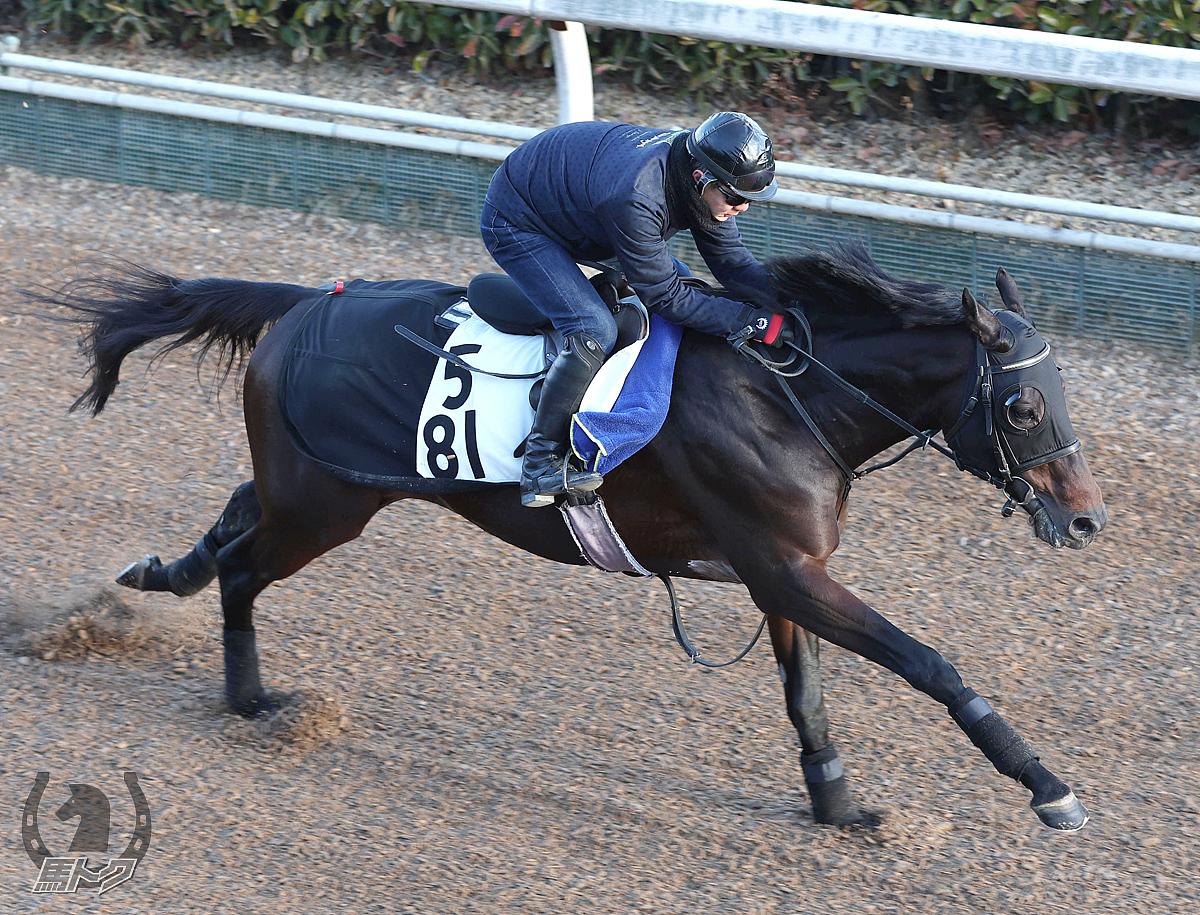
column 766, row 326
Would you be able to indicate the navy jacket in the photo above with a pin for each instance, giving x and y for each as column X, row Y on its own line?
column 598, row 189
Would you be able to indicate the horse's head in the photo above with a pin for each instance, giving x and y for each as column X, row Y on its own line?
column 1013, row 428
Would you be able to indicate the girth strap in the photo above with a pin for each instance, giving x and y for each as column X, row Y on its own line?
column 593, row 532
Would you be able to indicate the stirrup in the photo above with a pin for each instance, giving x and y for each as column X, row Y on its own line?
column 566, row 481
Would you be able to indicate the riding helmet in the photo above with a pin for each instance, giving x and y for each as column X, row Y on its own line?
column 737, row 152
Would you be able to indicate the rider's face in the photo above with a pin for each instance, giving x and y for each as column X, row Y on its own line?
column 716, row 202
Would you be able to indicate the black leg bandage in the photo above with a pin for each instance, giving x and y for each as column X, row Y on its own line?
column 822, row 766
column 1004, row 748
column 827, row 787
column 189, row 574
column 243, row 688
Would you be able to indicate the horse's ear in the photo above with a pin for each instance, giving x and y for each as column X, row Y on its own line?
column 986, row 326
column 1009, row 293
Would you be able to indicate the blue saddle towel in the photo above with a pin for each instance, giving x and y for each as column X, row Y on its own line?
column 375, row 409
column 627, row 402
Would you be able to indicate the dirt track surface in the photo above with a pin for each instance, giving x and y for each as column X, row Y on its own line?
column 469, row 729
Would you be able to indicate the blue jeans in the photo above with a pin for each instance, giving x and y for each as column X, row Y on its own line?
column 551, row 278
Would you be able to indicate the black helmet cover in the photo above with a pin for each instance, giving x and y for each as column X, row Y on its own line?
column 737, row 152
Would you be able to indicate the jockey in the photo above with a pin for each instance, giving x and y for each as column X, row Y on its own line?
column 595, row 190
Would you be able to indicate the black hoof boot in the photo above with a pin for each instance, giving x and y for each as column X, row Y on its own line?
column 243, row 687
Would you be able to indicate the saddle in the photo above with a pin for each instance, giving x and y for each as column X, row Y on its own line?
column 498, row 300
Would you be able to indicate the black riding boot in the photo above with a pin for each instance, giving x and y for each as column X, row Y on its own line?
column 545, row 472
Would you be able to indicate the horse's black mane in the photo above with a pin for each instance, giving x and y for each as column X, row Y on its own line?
column 841, row 277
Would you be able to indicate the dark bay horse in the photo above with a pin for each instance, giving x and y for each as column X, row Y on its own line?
column 733, row 488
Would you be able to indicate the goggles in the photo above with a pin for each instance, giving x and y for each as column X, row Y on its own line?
column 731, row 197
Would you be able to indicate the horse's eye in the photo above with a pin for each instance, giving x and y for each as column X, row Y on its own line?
column 1024, row 409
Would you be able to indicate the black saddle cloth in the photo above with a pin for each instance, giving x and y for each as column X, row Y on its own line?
column 351, row 388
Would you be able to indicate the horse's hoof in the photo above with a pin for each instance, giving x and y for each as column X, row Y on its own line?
column 134, row 574
column 833, row 805
column 259, row 706
column 1065, row 814
column 867, row 822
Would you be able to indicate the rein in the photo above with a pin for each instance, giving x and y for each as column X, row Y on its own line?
column 799, row 362
column 802, row 359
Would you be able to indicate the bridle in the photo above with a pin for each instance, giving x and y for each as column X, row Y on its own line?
column 1008, row 453
column 1001, row 378
column 1008, row 467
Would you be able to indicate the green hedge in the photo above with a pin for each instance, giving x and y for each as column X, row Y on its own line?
column 1174, row 23
column 490, row 43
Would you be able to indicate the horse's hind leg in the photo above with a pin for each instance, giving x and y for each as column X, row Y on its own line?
column 192, row 572
column 282, row 542
column 798, row 654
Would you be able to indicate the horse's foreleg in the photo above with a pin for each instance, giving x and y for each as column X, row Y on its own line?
column 831, row 612
column 192, row 572
column 1053, row 801
column 798, row 654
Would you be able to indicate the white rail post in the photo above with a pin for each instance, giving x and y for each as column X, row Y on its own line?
column 10, row 45
column 572, row 71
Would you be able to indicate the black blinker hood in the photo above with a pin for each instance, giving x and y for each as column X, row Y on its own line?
column 983, row 439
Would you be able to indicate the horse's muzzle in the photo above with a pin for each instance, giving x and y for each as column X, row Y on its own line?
column 1074, row 533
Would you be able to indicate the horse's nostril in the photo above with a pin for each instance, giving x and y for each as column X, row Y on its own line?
column 1082, row 528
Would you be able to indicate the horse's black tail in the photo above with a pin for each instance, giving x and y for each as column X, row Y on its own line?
column 126, row 306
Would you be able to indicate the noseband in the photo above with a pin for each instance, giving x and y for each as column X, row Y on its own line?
column 982, row 443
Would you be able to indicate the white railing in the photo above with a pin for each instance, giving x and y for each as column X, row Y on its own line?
column 264, row 97
column 1122, row 66
column 256, row 119
column 811, row 173
column 774, row 23
column 496, row 152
